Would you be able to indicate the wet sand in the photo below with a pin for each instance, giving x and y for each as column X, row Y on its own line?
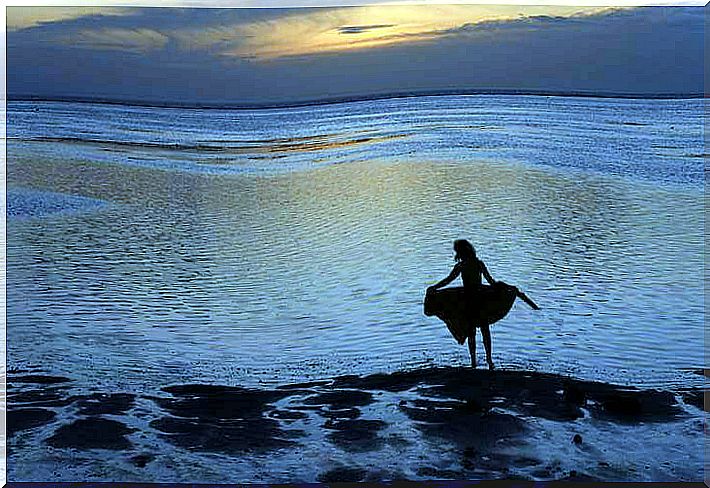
column 425, row 424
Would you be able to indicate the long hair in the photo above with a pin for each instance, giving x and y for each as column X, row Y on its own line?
column 464, row 250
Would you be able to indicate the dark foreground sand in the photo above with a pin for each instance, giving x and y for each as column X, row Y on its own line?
column 426, row 424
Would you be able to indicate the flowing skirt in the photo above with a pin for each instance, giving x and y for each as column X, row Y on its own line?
column 461, row 310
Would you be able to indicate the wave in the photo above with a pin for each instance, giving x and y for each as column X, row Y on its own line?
column 225, row 105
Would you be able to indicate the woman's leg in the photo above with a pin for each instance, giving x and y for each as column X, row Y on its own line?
column 472, row 346
column 486, row 333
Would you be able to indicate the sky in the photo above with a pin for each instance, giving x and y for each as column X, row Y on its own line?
column 252, row 56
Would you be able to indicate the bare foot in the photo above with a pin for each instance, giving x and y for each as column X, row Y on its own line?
column 473, row 364
column 490, row 365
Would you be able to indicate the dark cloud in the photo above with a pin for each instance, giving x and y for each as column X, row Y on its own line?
column 359, row 29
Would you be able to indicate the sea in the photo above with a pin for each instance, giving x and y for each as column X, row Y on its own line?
column 149, row 246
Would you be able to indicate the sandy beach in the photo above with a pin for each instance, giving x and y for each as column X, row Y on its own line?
column 436, row 423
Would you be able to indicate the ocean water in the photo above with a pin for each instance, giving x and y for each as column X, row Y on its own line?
column 154, row 246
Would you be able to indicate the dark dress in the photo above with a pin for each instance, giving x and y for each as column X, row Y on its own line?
column 474, row 304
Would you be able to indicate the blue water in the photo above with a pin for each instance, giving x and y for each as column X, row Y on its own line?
column 32, row 203
column 267, row 246
column 656, row 140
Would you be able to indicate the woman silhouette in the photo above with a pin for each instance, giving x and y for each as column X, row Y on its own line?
column 471, row 269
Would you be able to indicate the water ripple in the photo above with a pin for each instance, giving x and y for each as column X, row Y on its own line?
column 321, row 269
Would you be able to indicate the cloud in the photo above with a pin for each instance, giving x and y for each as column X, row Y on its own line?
column 24, row 17
column 248, row 56
column 320, row 31
column 359, row 29
column 136, row 40
column 265, row 35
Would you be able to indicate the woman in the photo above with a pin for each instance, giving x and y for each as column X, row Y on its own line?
column 471, row 269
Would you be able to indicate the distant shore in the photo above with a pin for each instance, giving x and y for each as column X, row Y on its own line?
column 230, row 105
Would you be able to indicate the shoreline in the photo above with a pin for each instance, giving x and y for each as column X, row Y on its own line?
column 436, row 423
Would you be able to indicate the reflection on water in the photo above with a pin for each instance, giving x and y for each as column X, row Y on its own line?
column 242, row 278
column 250, row 147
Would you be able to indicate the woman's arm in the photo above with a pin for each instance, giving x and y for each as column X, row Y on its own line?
column 452, row 276
column 486, row 274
